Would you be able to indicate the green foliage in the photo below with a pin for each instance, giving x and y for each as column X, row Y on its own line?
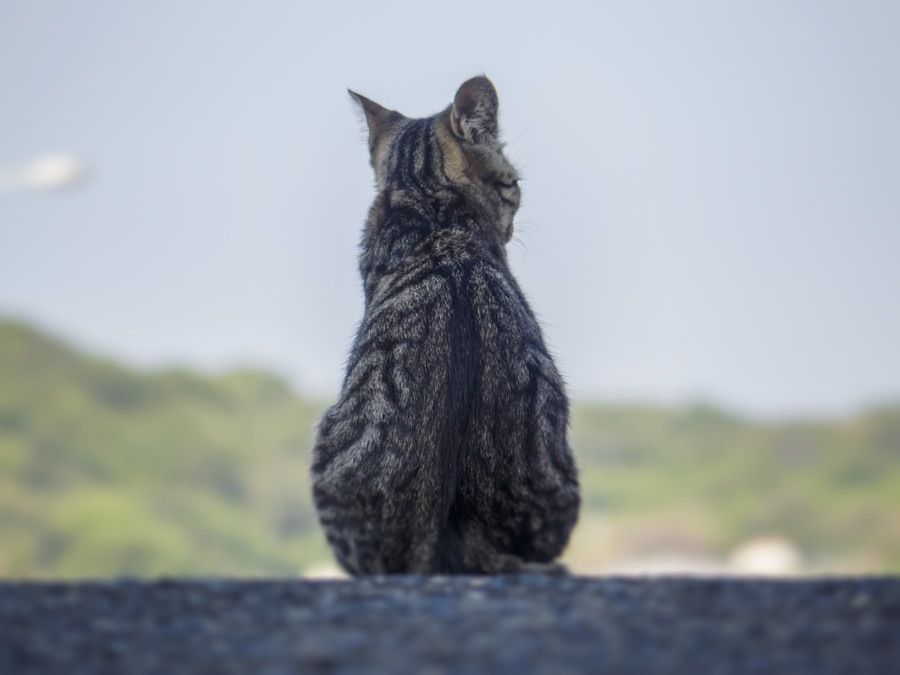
column 830, row 487
column 107, row 471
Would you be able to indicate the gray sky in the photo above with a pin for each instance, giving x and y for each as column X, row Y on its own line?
column 710, row 206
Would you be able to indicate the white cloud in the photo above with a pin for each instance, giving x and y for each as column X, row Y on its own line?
column 49, row 172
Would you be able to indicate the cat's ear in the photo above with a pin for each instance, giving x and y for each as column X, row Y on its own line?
column 473, row 115
column 378, row 118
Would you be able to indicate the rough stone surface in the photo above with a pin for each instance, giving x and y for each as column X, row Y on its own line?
column 527, row 624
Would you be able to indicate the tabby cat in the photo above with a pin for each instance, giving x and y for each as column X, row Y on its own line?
column 446, row 452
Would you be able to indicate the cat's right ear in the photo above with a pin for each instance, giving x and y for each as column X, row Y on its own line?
column 473, row 115
column 378, row 118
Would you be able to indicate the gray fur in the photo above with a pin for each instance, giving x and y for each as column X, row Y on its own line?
column 446, row 452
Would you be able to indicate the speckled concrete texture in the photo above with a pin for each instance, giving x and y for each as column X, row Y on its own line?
column 498, row 625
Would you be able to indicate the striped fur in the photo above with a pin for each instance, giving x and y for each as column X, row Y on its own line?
column 446, row 452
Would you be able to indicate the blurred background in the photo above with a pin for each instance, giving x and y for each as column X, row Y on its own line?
column 710, row 234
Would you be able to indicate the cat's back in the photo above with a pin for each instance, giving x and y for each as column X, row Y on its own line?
column 446, row 332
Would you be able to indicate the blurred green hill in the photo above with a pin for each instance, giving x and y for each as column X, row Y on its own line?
column 109, row 471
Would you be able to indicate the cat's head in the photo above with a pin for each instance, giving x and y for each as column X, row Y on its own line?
column 470, row 156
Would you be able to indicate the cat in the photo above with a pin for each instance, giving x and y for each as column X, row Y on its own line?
column 446, row 452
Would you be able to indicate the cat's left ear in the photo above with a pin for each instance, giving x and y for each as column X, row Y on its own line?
column 378, row 118
column 473, row 115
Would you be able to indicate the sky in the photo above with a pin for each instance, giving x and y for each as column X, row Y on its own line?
column 711, row 211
